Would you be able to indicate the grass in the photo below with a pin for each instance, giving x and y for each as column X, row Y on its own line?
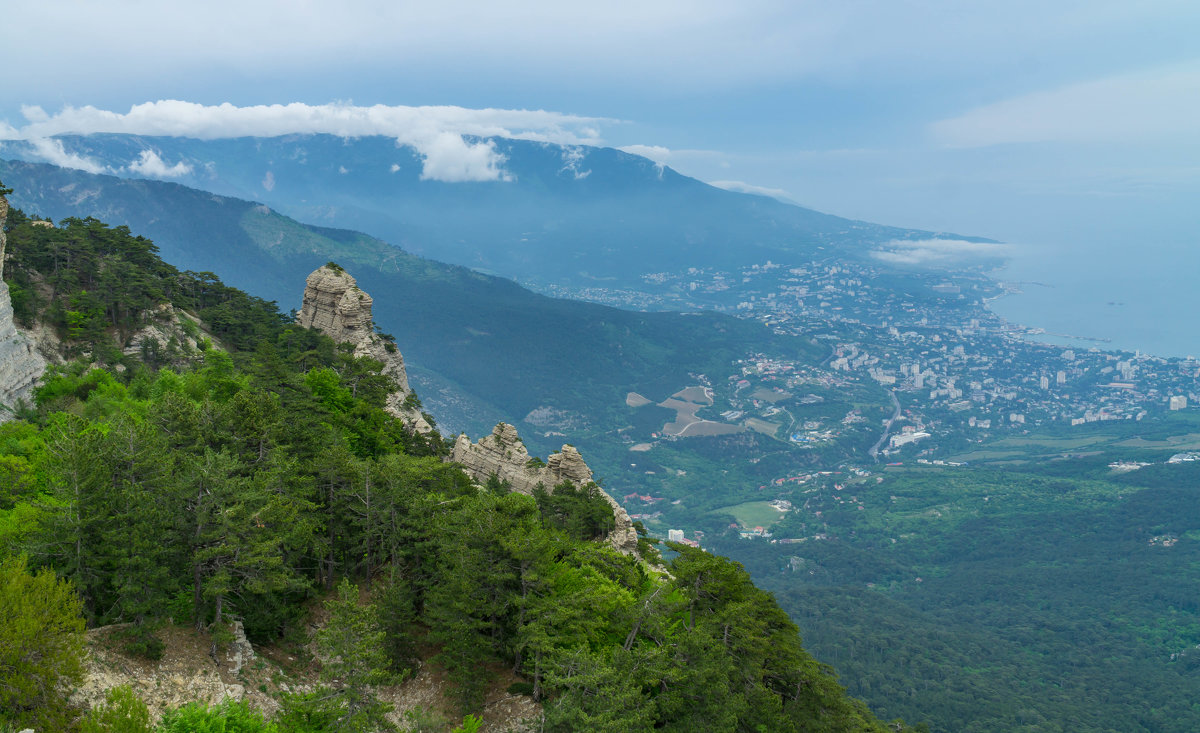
column 771, row 395
column 1191, row 441
column 763, row 426
column 1033, row 446
column 752, row 514
column 986, row 455
column 1052, row 443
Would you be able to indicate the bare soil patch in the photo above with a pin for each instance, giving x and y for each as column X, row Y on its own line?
column 633, row 399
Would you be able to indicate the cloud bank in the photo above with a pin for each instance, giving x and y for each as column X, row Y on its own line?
column 657, row 153
column 937, row 252
column 52, row 151
column 439, row 134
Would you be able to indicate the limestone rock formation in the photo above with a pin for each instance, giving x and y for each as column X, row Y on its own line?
column 175, row 334
column 502, row 453
column 335, row 306
column 186, row 673
column 21, row 365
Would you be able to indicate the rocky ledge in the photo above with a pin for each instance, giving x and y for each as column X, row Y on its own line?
column 334, row 305
column 504, row 454
column 21, row 365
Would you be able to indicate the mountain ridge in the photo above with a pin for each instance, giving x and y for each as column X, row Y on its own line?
column 569, row 214
column 455, row 321
column 221, row 496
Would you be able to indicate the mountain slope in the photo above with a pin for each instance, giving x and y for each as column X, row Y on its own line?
column 504, row 350
column 211, row 500
column 565, row 215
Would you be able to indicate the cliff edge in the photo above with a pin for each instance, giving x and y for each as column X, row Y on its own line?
column 504, row 454
column 21, row 365
column 334, row 305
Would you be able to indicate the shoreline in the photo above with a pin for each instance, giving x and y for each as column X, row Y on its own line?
column 1039, row 334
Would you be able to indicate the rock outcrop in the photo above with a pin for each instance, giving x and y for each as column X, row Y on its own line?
column 334, row 305
column 175, row 335
column 504, row 454
column 21, row 365
column 185, row 673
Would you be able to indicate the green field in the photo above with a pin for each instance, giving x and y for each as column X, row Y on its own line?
column 1039, row 446
column 753, row 514
column 1191, row 441
column 1051, row 443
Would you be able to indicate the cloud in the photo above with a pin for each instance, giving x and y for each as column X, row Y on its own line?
column 742, row 187
column 52, row 152
column 937, row 252
column 1160, row 105
column 268, row 181
column 450, row 158
column 657, row 153
column 150, row 164
column 573, row 157
column 439, row 134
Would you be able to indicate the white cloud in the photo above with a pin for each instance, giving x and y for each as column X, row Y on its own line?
column 268, row 181
column 1161, row 105
column 573, row 157
column 742, row 187
column 395, row 167
column 450, row 158
column 935, row 252
column 52, row 152
column 437, row 133
column 150, row 164
column 657, row 153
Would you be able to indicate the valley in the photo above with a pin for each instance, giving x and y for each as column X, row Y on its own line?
column 916, row 480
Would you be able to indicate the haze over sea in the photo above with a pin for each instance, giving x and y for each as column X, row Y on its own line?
column 1140, row 296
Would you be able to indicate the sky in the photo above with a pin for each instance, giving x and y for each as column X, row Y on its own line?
column 1049, row 123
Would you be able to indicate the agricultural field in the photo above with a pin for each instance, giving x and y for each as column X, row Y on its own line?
column 753, row 514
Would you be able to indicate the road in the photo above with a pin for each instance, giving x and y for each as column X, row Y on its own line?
column 887, row 427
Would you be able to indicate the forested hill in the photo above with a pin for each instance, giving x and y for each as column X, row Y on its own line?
column 244, row 470
column 562, row 215
column 484, row 341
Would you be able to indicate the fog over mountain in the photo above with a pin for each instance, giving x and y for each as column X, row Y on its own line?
column 533, row 210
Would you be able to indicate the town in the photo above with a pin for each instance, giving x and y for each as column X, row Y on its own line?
column 912, row 368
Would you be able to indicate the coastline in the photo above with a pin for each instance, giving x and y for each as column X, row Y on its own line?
column 1033, row 333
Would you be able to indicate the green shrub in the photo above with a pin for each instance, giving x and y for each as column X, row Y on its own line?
column 226, row 717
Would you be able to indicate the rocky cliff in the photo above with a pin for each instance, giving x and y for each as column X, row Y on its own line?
column 504, row 454
column 20, row 363
column 335, row 306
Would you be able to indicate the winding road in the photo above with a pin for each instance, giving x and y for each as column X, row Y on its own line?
column 874, row 452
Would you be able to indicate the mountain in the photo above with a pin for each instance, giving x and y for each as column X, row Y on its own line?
column 558, row 215
column 480, row 348
column 194, row 495
column 1047, row 592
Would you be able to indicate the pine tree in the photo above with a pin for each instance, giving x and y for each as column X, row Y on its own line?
column 42, row 646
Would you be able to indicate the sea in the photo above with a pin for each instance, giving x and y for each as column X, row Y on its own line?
column 1137, row 298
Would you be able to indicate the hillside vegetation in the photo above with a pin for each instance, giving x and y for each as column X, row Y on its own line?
column 211, row 485
column 497, row 350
